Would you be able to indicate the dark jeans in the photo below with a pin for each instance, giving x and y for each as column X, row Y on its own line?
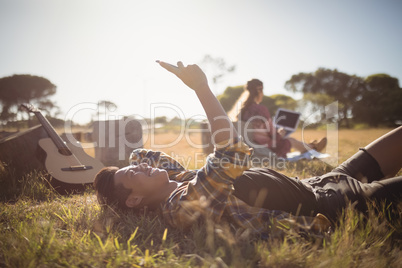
column 327, row 194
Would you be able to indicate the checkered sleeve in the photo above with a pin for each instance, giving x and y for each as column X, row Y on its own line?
column 207, row 194
column 156, row 159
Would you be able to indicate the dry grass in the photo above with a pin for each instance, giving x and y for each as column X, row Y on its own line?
column 342, row 144
column 184, row 147
column 187, row 146
column 43, row 229
column 349, row 140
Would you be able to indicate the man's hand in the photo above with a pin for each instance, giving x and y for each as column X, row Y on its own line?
column 320, row 224
column 192, row 75
column 221, row 127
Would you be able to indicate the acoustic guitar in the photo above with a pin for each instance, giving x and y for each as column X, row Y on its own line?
column 68, row 164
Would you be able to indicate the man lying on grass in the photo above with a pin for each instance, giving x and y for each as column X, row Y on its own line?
column 257, row 199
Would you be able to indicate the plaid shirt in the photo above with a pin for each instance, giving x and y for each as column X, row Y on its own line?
column 209, row 190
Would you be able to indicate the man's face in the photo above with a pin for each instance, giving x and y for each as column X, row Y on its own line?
column 142, row 180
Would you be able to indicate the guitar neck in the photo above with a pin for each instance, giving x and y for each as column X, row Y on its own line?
column 61, row 146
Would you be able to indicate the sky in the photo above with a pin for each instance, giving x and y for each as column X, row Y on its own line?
column 106, row 50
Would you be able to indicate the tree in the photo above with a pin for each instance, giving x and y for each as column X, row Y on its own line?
column 161, row 120
column 346, row 89
column 104, row 108
column 230, row 96
column 380, row 102
column 216, row 68
column 280, row 101
column 25, row 88
column 315, row 104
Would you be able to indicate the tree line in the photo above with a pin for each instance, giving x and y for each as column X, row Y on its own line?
column 374, row 100
column 25, row 88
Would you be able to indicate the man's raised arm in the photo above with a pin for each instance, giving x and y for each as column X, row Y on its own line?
column 221, row 127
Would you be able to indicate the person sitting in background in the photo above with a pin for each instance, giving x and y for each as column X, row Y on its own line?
column 255, row 199
column 264, row 132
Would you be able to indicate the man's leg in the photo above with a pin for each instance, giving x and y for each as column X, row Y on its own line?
column 336, row 190
column 387, row 150
column 386, row 192
column 380, row 159
column 390, row 189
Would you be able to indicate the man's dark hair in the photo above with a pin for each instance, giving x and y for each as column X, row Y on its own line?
column 107, row 192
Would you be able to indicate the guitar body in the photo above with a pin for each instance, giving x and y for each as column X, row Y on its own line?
column 69, row 166
column 61, row 167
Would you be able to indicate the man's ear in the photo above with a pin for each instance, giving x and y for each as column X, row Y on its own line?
column 133, row 201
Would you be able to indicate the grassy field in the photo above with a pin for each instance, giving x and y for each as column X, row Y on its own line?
column 39, row 228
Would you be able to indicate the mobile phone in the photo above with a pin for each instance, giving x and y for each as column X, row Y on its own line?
column 168, row 63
